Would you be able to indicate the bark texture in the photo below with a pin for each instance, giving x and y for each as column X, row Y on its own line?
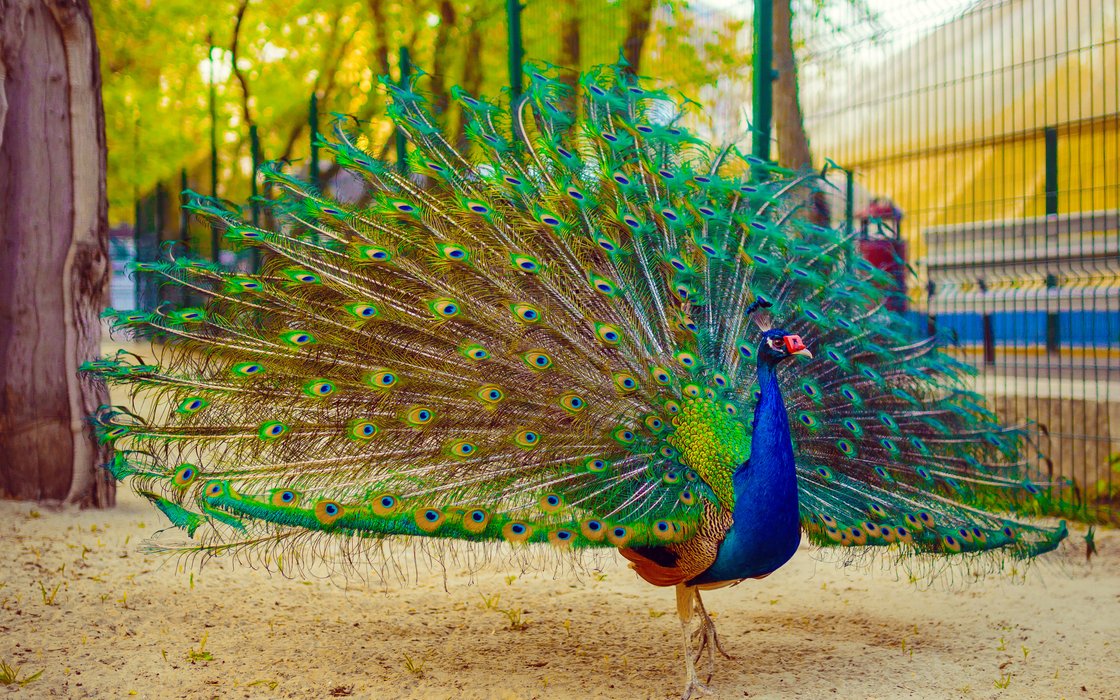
column 54, row 268
column 639, row 18
column 789, row 122
column 793, row 142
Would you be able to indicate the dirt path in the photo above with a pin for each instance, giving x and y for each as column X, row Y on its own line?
column 79, row 602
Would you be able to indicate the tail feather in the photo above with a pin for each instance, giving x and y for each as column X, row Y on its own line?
column 501, row 348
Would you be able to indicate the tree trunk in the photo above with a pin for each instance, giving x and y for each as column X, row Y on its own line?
column 447, row 18
column 570, row 52
column 637, row 31
column 472, row 75
column 793, row 143
column 789, row 122
column 54, row 269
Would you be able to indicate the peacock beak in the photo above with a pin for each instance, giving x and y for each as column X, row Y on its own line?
column 796, row 346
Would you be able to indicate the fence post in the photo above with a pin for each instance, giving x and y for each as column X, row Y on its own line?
column 402, row 143
column 762, row 98
column 254, row 202
column 214, row 238
column 931, row 320
column 987, row 330
column 1053, row 328
column 313, row 124
column 137, row 234
column 849, row 194
column 184, row 219
column 516, row 51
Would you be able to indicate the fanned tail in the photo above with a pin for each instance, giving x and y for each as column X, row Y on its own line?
column 511, row 347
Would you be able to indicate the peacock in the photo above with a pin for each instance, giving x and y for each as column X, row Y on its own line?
column 590, row 329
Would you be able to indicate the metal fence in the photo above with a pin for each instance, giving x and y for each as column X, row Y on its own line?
column 989, row 129
column 994, row 127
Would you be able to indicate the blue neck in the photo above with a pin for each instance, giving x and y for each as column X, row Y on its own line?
column 766, row 530
column 769, row 472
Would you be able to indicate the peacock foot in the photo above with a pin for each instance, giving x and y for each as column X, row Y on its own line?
column 694, row 686
column 692, row 681
column 707, row 639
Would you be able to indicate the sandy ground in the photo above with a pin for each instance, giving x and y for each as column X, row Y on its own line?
column 80, row 603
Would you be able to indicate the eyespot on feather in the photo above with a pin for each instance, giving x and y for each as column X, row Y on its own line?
column 429, row 519
column 489, row 394
column 319, row 388
column 185, row 475
column 664, row 531
column 297, row 339
column 572, row 403
column 444, row 307
column 285, row 498
column 608, row 334
column 620, row 535
column 419, row 416
column 270, row 430
column 327, row 512
column 593, row 530
column 625, row 382
column 551, row 503
column 527, row 438
column 382, row 379
column 191, row 405
column 561, row 538
column 462, row 449
column 517, row 532
column 248, row 369
column 475, row 521
column 660, row 375
column 597, row 465
column 475, row 352
column 537, row 360
column 361, row 429
column 384, row 505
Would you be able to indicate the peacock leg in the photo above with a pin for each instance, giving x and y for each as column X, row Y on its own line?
column 685, row 598
column 707, row 637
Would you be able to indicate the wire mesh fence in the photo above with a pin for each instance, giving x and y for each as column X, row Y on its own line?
column 984, row 134
column 994, row 127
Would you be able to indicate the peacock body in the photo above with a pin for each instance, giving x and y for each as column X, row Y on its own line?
column 553, row 342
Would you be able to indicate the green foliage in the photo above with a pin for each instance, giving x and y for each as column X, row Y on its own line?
column 10, row 675
column 154, row 71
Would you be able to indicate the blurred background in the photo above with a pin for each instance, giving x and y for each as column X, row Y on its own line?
column 974, row 144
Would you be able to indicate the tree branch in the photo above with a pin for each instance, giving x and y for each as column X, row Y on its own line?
column 248, row 118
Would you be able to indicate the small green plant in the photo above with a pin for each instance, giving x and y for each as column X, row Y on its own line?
column 1002, row 645
column 271, row 684
column 1003, row 681
column 517, row 621
column 9, row 675
column 414, row 667
column 654, row 614
column 510, row 579
column 490, row 602
column 48, row 598
column 200, row 654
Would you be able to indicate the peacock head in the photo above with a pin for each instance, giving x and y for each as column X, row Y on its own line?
column 778, row 345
